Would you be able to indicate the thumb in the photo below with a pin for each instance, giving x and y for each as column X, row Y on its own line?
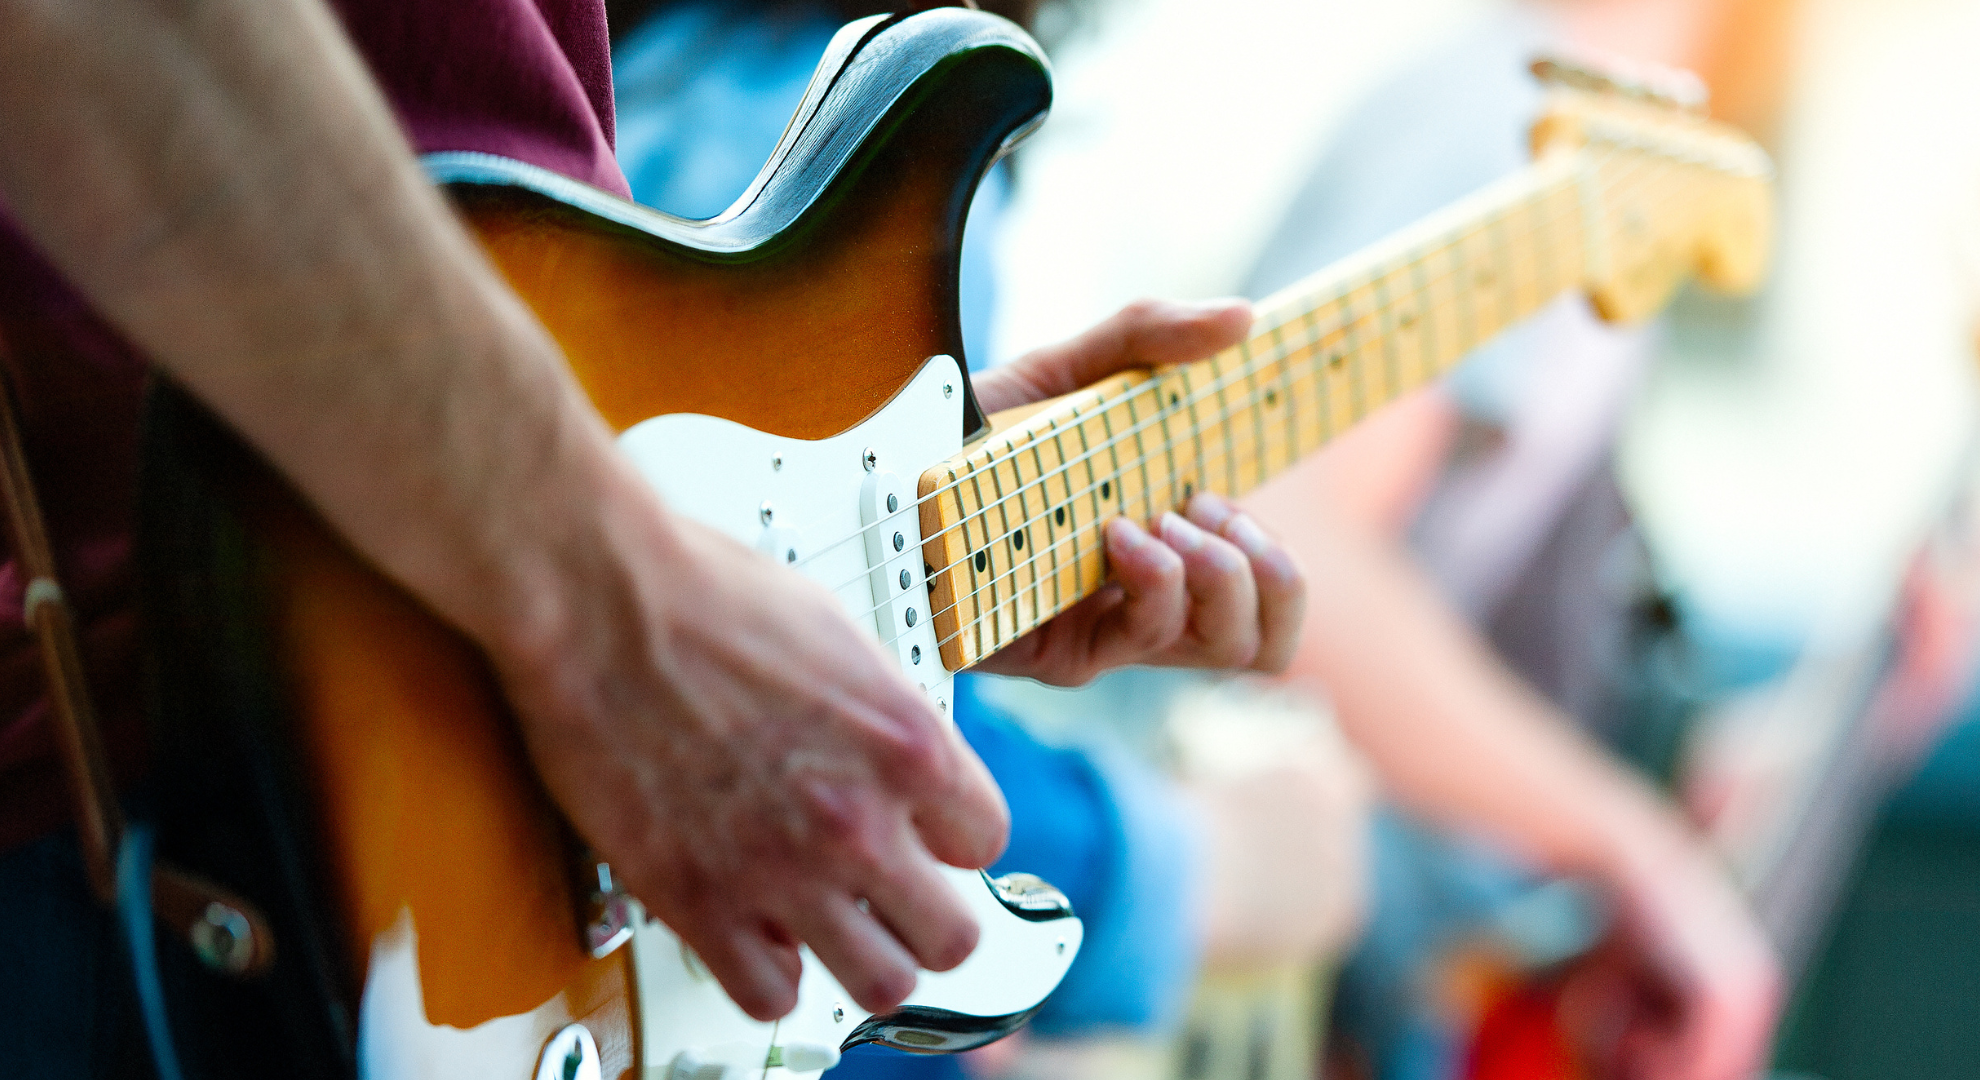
column 1147, row 333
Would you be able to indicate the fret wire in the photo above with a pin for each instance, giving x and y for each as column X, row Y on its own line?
column 1196, row 479
column 1092, row 484
column 1045, row 495
column 1166, row 403
column 1141, row 453
column 1257, row 401
column 1052, row 516
column 1286, row 399
column 989, row 559
column 1461, row 297
column 1543, row 254
column 1391, row 371
column 1224, row 419
column 1427, row 363
column 1357, row 385
column 1322, row 398
column 1508, row 302
column 1142, row 443
column 1012, row 545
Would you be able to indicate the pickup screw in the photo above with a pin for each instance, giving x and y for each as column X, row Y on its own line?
column 893, row 503
column 766, row 512
column 910, row 617
column 899, row 540
column 906, row 579
column 914, row 654
column 869, row 459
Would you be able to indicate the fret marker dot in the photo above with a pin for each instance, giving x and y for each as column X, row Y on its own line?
column 1059, row 516
column 1408, row 319
column 1271, row 398
column 1017, row 539
column 1334, row 358
column 1106, row 489
column 982, row 561
column 1174, row 400
column 1188, row 491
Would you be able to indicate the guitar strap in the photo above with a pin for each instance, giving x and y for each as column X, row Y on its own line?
column 227, row 934
column 45, row 611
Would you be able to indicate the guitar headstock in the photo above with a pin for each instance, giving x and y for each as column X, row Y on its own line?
column 1670, row 193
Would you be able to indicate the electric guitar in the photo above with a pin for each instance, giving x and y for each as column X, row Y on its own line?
column 789, row 372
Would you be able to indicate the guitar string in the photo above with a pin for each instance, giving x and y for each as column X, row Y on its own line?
column 1251, row 366
column 1546, row 189
column 1592, row 159
column 1305, row 311
column 1219, row 452
column 1274, row 365
column 1281, row 374
column 1039, row 616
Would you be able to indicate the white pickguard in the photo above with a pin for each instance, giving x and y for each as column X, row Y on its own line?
column 801, row 502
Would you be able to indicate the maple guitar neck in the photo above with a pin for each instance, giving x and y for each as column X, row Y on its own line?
column 1014, row 524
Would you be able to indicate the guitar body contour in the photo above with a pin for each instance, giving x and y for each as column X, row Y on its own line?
column 344, row 760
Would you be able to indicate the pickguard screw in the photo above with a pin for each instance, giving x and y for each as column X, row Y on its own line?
column 869, row 459
column 776, row 462
column 838, row 1014
column 948, row 390
column 1062, row 946
column 790, row 555
column 914, row 654
column 941, row 705
column 766, row 512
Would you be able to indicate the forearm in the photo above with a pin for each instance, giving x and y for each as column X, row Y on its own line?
column 1451, row 731
column 223, row 181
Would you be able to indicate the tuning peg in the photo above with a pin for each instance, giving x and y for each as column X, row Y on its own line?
column 1672, row 88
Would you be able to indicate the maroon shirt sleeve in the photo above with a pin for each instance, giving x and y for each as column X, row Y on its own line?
column 528, row 79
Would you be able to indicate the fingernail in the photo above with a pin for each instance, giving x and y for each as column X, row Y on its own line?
column 1210, row 510
column 1127, row 534
column 1246, row 534
column 1181, row 535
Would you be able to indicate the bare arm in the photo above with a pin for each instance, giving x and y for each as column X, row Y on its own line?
column 1456, row 736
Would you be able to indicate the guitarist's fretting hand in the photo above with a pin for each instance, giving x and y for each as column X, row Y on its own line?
column 1242, row 598
column 718, row 728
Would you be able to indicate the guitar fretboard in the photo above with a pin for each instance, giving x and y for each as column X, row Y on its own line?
column 1012, row 528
